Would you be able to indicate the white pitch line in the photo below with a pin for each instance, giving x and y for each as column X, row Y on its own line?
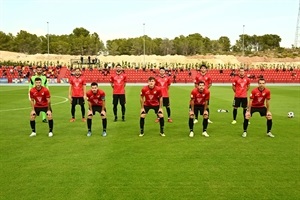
column 65, row 100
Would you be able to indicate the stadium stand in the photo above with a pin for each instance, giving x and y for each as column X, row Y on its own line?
column 140, row 76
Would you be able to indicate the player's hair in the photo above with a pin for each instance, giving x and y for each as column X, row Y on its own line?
column 201, row 82
column 38, row 66
column 261, row 79
column 203, row 65
column 94, row 84
column 162, row 68
column 37, row 79
column 77, row 68
column 242, row 68
column 151, row 78
column 118, row 65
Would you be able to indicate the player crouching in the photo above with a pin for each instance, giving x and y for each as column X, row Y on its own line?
column 40, row 102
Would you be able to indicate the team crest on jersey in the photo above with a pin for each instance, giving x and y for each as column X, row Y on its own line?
column 199, row 99
column 95, row 100
column 39, row 99
column 259, row 99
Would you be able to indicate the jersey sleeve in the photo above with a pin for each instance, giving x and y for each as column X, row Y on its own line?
column 31, row 83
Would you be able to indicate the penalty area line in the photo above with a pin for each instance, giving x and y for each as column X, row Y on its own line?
column 52, row 104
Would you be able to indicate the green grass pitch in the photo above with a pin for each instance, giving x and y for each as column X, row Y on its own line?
column 125, row 166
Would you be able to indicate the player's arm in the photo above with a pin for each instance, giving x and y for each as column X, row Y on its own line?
column 31, row 84
column 49, row 104
column 142, row 102
column 90, row 106
column 268, row 105
column 160, row 102
column 84, row 92
column 32, row 106
column 209, row 82
column 46, row 83
column 233, row 87
column 205, row 105
column 192, row 104
column 103, row 105
column 70, row 93
column 111, row 82
column 249, row 105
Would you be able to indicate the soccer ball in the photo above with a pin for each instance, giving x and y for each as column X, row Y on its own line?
column 290, row 114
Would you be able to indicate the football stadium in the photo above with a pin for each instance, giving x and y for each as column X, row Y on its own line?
column 123, row 165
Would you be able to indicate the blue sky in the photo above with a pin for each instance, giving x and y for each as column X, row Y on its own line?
column 113, row 19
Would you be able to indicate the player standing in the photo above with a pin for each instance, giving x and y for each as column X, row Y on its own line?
column 163, row 81
column 240, row 87
column 118, row 83
column 77, row 93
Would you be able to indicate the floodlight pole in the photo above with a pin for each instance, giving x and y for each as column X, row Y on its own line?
column 144, row 43
column 243, row 41
column 48, row 40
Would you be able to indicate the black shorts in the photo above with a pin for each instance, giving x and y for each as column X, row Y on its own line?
column 166, row 101
column 262, row 111
column 77, row 100
column 155, row 108
column 198, row 108
column 40, row 109
column 119, row 98
column 240, row 102
column 97, row 109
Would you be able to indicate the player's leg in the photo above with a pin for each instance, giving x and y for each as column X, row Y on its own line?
column 123, row 108
column 50, row 123
column 32, row 122
column 234, row 111
column 104, row 122
column 167, row 105
column 44, row 117
column 196, row 112
column 81, row 102
column 268, row 116
column 142, row 120
column 205, row 115
column 244, row 104
column 89, row 121
column 191, row 123
column 208, row 120
column 161, row 120
column 73, row 105
column 115, row 108
column 246, row 121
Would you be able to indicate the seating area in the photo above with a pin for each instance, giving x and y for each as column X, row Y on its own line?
column 140, row 76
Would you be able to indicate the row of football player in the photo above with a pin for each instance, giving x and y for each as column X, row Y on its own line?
column 151, row 98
